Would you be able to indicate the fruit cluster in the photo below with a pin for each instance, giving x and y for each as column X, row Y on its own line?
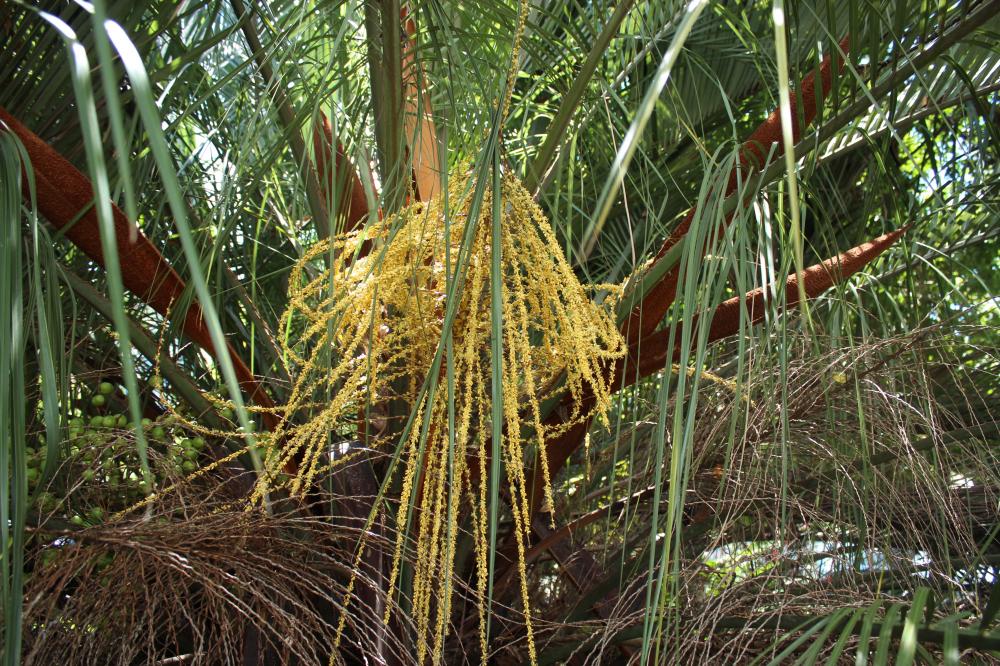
column 99, row 471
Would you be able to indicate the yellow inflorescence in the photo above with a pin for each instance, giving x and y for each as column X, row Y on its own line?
column 365, row 331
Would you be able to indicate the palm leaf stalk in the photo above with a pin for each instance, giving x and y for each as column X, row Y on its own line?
column 764, row 144
column 65, row 197
column 653, row 353
column 649, row 355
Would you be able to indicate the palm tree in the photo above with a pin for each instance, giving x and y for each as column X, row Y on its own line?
column 725, row 392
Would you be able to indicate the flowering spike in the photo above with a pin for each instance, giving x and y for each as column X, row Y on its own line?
column 387, row 320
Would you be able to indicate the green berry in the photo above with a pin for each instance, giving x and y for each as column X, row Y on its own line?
column 227, row 414
column 198, row 443
column 159, row 433
column 121, row 421
column 146, row 422
column 32, row 474
column 77, row 519
column 47, row 502
column 88, row 475
column 191, row 454
column 98, row 400
column 106, row 388
column 188, row 466
column 108, row 421
column 96, row 513
column 96, row 421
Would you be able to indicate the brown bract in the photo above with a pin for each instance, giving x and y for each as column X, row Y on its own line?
column 340, row 177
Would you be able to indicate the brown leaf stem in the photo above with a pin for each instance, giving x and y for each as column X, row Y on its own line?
column 646, row 316
column 65, row 198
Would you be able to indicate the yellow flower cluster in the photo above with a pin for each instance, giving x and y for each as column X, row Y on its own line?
column 366, row 325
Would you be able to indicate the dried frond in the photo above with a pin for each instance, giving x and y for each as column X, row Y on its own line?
column 198, row 581
column 871, row 489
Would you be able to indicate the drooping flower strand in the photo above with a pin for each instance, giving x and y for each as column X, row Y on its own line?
column 366, row 330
